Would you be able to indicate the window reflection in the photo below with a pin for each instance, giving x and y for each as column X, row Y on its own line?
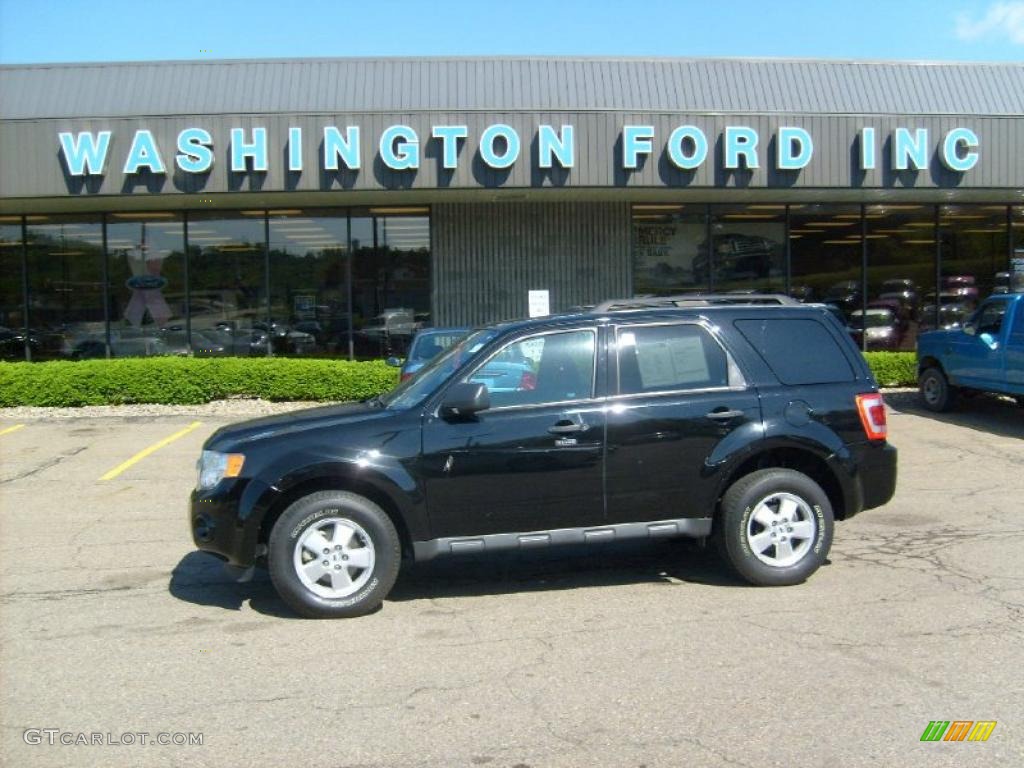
column 12, row 313
column 145, row 258
column 825, row 253
column 1015, row 278
column 390, row 279
column 974, row 243
column 309, row 296
column 65, row 287
column 666, row 239
column 227, row 271
column 747, row 250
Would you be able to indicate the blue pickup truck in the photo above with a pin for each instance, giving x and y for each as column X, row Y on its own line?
column 985, row 355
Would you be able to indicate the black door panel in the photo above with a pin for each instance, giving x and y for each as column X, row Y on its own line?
column 506, row 471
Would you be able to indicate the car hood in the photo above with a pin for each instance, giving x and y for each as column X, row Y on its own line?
column 234, row 436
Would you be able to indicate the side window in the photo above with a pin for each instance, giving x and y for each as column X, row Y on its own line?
column 990, row 318
column 798, row 351
column 663, row 358
column 550, row 368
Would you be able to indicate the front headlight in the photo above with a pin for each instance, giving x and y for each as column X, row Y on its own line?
column 215, row 466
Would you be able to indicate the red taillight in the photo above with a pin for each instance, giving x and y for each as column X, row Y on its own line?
column 871, row 408
column 528, row 380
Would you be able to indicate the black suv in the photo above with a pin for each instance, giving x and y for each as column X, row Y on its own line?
column 754, row 423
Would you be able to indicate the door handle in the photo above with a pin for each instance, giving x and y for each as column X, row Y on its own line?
column 723, row 415
column 567, row 427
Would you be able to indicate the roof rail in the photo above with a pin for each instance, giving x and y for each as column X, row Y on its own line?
column 694, row 300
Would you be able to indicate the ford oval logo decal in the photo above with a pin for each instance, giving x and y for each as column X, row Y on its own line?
column 145, row 282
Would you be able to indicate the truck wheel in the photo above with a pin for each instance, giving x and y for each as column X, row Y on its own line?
column 333, row 554
column 775, row 527
column 936, row 393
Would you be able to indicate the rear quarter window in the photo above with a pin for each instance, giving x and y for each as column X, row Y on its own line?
column 798, row 350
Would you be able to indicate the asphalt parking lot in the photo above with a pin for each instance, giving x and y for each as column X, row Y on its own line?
column 628, row 656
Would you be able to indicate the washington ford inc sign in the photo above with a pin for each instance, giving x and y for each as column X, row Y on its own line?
column 501, row 146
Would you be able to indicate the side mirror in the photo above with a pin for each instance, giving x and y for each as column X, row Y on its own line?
column 969, row 329
column 394, row 362
column 465, row 400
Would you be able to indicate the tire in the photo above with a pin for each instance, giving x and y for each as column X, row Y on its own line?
column 775, row 527
column 936, row 393
column 356, row 559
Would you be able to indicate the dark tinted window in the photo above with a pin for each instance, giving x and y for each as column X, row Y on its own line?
column 663, row 358
column 797, row 351
column 1017, row 331
column 990, row 318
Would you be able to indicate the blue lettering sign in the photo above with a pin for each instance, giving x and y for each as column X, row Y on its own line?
column 678, row 155
column 867, row 149
column 406, row 154
column 449, row 136
column 143, row 153
column 490, row 136
column 788, row 159
column 907, row 151
column 335, row 147
column 550, row 145
column 240, row 150
column 636, row 141
column 195, row 155
column 294, row 149
column 85, row 154
column 740, row 141
column 951, row 157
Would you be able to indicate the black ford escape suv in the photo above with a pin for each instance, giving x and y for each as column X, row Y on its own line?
column 752, row 420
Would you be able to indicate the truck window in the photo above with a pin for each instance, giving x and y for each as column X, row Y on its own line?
column 990, row 318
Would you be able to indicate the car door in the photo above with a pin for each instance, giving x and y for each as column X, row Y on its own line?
column 533, row 460
column 1014, row 359
column 979, row 354
column 677, row 397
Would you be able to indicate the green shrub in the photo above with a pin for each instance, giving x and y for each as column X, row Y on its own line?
column 182, row 380
column 893, row 369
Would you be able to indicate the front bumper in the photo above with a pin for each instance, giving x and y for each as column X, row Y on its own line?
column 218, row 525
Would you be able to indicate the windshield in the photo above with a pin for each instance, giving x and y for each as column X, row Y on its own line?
column 429, row 344
column 414, row 391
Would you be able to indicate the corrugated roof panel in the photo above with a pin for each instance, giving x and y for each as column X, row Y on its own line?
column 504, row 84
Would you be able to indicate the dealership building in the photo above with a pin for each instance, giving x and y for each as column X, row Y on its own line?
column 332, row 206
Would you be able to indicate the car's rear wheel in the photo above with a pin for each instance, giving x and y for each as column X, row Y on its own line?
column 775, row 527
column 936, row 393
column 333, row 554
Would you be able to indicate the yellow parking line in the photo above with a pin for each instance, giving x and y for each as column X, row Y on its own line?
column 8, row 431
column 152, row 449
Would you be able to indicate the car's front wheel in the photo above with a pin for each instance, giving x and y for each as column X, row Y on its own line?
column 333, row 554
column 775, row 527
column 936, row 392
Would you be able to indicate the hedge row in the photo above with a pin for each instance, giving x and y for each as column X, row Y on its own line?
column 182, row 380
column 893, row 369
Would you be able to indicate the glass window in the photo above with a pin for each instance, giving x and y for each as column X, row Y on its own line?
column 901, row 275
column 227, row 271
column 797, row 351
column 990, row 318
column 666, row 239
column 551, row 368
column 415, row 390
column 390, row 279
column 747, row 251
column 146, row 269
column 1015, row 278
column 429, row 344
column 309, row 295
column 974, row 248
column 12, row 310
column 664, row 358
column 65, row 284
column 825, row 255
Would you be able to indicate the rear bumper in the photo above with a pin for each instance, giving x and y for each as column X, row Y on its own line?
column 877, row 474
